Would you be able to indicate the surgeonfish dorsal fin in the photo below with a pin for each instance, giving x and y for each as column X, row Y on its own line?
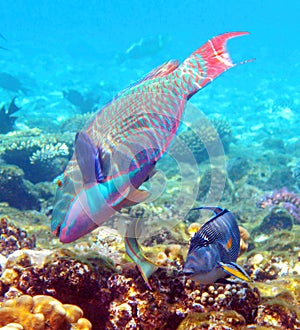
column 88, row 159
column 234, row 269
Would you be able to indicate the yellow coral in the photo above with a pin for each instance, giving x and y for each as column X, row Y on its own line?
column 82, row 324
column 245, row 237
column 12, row 326
column 193, row 228
column 9, row 276
column 40, row 312
column 73, row 313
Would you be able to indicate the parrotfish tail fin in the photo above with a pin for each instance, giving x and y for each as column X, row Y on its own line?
column 235, row 270
column 206, row 63
column 146, row 267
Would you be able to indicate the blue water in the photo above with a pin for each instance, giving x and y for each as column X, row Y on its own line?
column 74, row 32
column 55, row 46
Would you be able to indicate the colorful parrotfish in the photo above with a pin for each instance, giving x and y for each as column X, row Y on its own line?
column 215, row 248
column 120, row 147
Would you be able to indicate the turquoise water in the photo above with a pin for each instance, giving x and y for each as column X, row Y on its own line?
column 72, row 57
column 60, row 62
column 61, row 45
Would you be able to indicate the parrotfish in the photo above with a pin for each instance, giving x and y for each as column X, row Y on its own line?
column 145, row 47
column 215, row 248
column 118, row 150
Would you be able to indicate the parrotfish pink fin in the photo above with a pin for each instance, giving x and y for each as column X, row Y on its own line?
column 135, row 196
column 207, row 62
column 146, row 267
column 162, row 70
column 235, row 270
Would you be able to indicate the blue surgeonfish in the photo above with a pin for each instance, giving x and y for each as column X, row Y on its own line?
column 215, row 248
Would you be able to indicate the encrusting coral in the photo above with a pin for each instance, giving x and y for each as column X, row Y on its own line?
column 114, row 296
column 204, row 134
column 13, row 238
column 42, row 312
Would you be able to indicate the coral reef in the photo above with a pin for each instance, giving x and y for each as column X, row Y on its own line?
column 41, row 312
column 112, row 294
column 205, row 134
column 7, row 119
column 289, row 200
column 237, row 168
column 213, row 320
column 42, row 156
column 278, row 313
column 267, row 266
column 15, row 190
column 276, row 219
column 13, row 238
column 296, row 172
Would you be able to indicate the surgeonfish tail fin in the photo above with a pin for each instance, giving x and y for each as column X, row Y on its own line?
column 235, row 270
column 207, row 63
column 145, row 266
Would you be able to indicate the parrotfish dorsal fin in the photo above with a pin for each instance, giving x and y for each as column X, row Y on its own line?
column 162, row 70
column 88, row 159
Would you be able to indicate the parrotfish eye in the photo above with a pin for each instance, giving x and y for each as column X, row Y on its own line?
column 59, row 183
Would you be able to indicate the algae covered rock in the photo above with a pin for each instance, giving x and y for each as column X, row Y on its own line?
column 277, row 219
column 278, row 314
column 15, row 190
column 213, row 320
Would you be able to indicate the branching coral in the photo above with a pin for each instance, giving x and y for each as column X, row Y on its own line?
column 41, row 156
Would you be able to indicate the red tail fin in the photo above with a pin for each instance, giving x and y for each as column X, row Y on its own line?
column 208, row 62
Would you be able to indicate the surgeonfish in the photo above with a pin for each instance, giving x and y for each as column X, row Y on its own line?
column 118, row 151
column 215, row 248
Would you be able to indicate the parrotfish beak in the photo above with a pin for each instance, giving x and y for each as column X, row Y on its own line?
column 82, row 214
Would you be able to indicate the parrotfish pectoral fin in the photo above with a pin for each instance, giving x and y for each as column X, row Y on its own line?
column 235, row 270
column 88, row 159
column 134, row 197
column 146, row 267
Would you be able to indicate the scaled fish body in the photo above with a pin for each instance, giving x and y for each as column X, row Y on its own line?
column 214, row 249
column 119, row 149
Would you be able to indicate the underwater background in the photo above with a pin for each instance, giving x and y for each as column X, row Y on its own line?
column 60, row 61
